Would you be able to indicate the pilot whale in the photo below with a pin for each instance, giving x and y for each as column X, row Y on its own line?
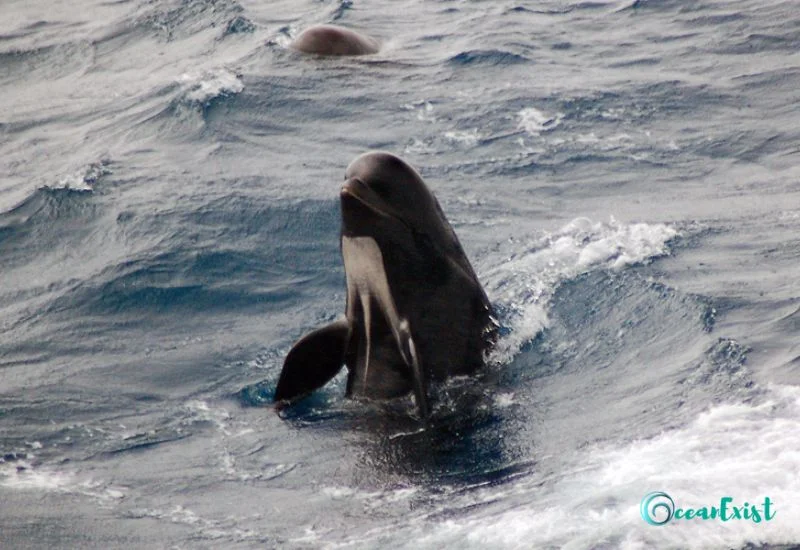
column 334, row 40
column 416, row 313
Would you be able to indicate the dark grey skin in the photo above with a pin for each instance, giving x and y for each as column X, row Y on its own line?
column 334, row 40
column 416, row 313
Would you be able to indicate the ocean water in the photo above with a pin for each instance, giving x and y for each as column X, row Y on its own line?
column 624, row 176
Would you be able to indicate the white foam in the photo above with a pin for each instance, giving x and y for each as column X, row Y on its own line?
column 200, row 411
column 263, row 472
column 523, row 282
column 74, row 182
column 465, row 139
column 284, row 39
column 22, row 475
column 419, row 147
column 203, row 87
column 504, row 400
column 82, row 179
column 534, row 122
column 207, row 528
column 337, row 493
column 424, row 110
column 747, row 452
column 371, row 499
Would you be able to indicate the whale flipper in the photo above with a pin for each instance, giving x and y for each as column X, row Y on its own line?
column 313, row 361
column 409, row 352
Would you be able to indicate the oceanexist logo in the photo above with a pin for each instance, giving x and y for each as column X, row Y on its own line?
column 658, row 508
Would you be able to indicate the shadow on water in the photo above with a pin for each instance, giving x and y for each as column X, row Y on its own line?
column 464, row 443
column 461, row 449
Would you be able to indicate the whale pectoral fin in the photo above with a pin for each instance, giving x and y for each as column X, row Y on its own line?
column 409, row 352
column 312, row 362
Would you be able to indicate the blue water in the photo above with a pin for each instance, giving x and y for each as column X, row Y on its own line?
column 623, row 176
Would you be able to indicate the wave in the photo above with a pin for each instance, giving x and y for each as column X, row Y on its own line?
column 234, row 253
column 189, row 18
column 56, row 200
column 173, row 282
column 202, row 89
column 34, row 62
column 182, row 108
column 239, row 25
column 534, row 121
column 523, row 282
column 487, row 57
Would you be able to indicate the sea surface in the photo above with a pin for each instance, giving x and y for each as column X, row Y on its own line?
column 623, row 175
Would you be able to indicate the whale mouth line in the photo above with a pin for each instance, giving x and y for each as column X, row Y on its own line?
column 349, row 190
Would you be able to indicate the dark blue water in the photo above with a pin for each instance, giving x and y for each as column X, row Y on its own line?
column 623, row 176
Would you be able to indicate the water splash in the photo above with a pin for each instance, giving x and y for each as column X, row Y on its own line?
column 522, row 282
